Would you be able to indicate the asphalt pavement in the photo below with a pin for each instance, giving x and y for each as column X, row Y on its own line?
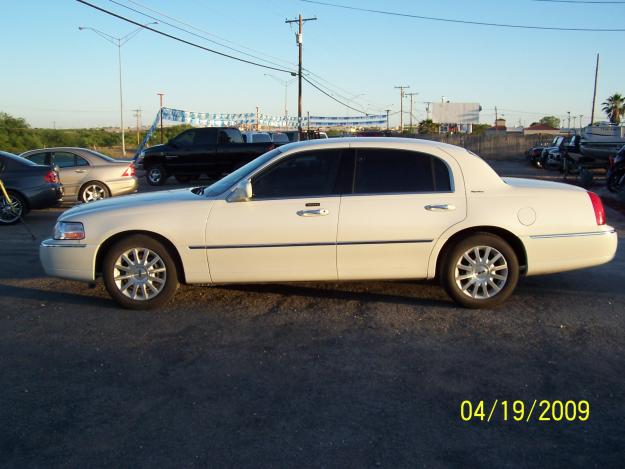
column 306, row 375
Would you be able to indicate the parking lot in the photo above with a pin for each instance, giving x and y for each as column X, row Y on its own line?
column 305, row 375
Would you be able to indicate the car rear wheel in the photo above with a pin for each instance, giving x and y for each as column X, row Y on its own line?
column 480, row 271
column 156, row 175
column 11, row 213
column 93, row 191
column 140, row 273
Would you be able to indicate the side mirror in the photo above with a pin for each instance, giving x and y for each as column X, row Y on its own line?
column 242, row 192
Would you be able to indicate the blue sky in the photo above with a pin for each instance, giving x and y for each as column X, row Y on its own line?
column 54, row 73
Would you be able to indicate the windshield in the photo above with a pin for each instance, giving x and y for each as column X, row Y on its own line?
column 231, row 179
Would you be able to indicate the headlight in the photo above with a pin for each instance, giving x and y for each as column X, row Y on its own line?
column 69, row 230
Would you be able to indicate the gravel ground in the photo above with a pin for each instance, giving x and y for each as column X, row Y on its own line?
column 305, row 375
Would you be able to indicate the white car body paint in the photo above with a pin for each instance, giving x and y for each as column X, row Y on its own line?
column 374, row 236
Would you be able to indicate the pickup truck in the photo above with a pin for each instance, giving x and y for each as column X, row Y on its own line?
column 213, row 151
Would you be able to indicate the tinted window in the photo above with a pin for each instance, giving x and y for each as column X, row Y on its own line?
column 80, row 161
column 230, row 136
column 38, row 158
column 307, row 173
column 64, row 160
column 380, row 171
column 185, row 139
column 205, row 137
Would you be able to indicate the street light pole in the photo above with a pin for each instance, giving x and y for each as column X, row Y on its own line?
column 119, row 42
column 160, row 95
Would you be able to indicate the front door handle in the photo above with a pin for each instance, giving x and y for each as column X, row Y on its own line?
column 320, row 212
column 440, row 207
column 80, row 170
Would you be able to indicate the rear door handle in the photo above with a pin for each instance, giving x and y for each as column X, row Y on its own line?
column 440, row 207
column 320, row 212
column 80, row 170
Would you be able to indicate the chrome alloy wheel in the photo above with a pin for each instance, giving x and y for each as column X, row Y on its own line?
column 140, row 274
column 155, row 175
column 481, row 272
column 93, row 192
column 9, row 213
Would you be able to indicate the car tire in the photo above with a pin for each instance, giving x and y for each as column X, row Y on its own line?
column 182, row 178
column 11, row 215
column 140, row 273
column 93, row 191
column 156, row 175
column 480, row 271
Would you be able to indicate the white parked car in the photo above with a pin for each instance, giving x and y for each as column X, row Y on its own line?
column 256, row 137
column 337, row 209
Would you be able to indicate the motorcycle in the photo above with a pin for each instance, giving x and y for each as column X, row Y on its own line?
column 615, row 179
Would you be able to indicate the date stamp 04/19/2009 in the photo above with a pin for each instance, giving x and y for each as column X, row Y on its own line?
column 522, row 411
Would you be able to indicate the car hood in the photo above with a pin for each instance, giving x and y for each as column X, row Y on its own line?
column 143, row 201
column 540, row 184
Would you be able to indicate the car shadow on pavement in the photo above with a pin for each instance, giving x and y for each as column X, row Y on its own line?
column 332, row 291
column 54, row 296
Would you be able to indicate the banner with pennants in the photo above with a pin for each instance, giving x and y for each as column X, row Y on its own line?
column 206, row 119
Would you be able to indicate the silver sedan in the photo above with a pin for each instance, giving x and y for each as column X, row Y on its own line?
column 87, row 175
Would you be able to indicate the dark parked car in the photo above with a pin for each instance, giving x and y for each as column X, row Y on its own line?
column 29, row 185
column 212, row 151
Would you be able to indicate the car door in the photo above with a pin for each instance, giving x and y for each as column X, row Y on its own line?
column 287, row 230
column 73, row 171
column 401, row 203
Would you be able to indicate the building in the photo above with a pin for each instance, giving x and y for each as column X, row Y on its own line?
column 456, row 117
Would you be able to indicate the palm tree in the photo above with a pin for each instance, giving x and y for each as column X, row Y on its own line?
column 614, row 107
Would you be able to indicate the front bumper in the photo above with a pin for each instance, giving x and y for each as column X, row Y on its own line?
column 68, row 259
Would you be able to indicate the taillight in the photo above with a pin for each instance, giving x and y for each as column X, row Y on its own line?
column 597, row 206
column 130, row 171
column 51, row 177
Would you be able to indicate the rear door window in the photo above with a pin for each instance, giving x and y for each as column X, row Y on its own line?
column 387, row 171
column 64, row 159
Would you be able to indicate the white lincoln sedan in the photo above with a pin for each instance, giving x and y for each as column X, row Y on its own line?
column 338, row 209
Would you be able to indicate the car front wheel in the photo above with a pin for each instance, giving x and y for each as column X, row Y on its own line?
column 140, row 273
column 480, row 271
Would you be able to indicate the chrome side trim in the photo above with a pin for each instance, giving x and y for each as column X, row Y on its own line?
column 573, row 235
column 48, row 244
column 287, row 245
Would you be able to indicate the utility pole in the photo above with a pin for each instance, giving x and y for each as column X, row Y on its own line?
column 594, row 94
column 401, row 106
column 138, row 116
column 411, row 102
column 299, row 39
column 496, row 118
column 387, row 126
column 427, row 109
column 160, row 95
column 568, row 125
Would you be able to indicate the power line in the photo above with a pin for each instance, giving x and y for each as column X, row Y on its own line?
column 184, row 41
column 450, row 20
column 160, row 20
column 332, row 97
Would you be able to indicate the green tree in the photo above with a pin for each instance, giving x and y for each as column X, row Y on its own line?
column 479, row 129
column 551, row 121
column 428, row 127
column 614, row 107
